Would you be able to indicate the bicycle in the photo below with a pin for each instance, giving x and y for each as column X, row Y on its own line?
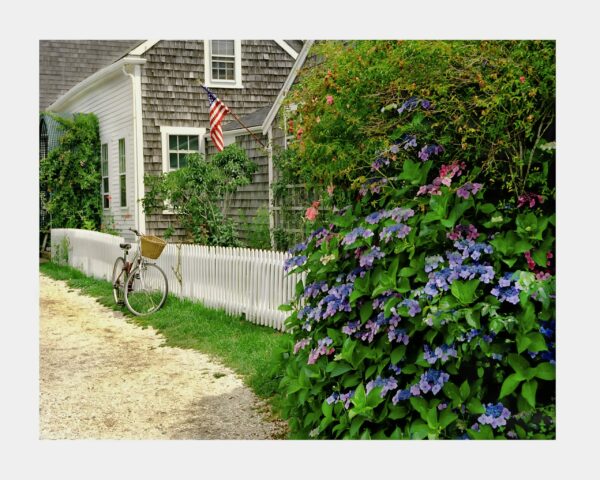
column 140, row 285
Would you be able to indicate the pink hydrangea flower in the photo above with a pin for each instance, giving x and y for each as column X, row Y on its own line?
column 522, row 79
column 329, row 100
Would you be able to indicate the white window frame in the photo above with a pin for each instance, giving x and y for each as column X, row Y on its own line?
column 103, row 160
column 237, row 83
column 165, row 131
column 122, row 170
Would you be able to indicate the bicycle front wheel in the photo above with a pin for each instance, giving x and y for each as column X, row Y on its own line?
column 119, row 277
column 146, row 289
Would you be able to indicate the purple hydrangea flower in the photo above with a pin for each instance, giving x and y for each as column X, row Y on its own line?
column 413, row 306
column 495, row 415
column 395, row 368
column 431, row 263
column 433, row 380
column 314, row 289
column 507, row 290
column 341, row 397
column 399, row 335
column 334, row 397
column 395, row 148
column 351, row 237
column 376, row 217
column 401, row 395
column 442, row 406
column 400, row 214
column 323, row 348
column 354, row 274
column 399, row 230
column 337, row 300
column 415, row 391
column 387, row 384
column 425, row 104
column 442, row 353
column 429, row 150
column 366, row 259
column 379, row 162
column 294, row 262
column 351, row 327
column 298, row 248
column 409, row 105
column 300, row 344
column 467, row 189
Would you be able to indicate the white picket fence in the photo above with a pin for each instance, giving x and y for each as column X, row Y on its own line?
column 238, row 280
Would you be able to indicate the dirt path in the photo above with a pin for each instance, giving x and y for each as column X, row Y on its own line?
column 104, row 378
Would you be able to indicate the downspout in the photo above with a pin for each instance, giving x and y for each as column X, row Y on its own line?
column 271, row 213
column 138, row 147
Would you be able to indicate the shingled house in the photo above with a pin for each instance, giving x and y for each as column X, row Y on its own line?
column 152, row 110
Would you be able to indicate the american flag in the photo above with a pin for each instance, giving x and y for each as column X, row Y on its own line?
column 216, row 114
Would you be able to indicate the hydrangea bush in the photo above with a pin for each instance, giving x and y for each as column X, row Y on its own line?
column 427, row 308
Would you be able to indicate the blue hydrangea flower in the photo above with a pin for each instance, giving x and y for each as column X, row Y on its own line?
column 431, row 263
column 399, row 335
column 433, row 380
column 379, row 162
column 400, row 214
column 429, row 150
column 395, row 368
column 443, row 353
column 323, row 348
column 298, row 248
column 366, row 259
column 351, row 237
column 399, row 230
column 351, row 327
column 507, row 290
column 376, row 217
column 354, row 274
column 495, row 415
column 294, row 262
column 413, row 306
column 387, row 384
column 409, row 105
column 401, row 395
column 314, row 289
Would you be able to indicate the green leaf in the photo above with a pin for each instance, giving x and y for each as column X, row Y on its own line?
column 432, row 418
column 398, row 354
column 327, row 409
column 485, row 433
column 523, row 342
column 419, row 430
column 359, row 399
column 407, row 271
column 465, row 390
column 545, row 371
column 447, row 417
column 452, row 393
column 518, row 363
column 487, row 208
column 472, row 318
column 339, row 368
column 528, row 391
column 397, row 413
column 464, row 291
column 475, row 407
column 366, row 311
column 419, row 404
column 510, row 384
column 537, row 342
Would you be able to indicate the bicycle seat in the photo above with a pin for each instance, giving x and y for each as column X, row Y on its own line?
column 125, row 246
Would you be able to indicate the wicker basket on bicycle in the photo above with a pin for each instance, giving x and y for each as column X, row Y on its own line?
column 152, row 246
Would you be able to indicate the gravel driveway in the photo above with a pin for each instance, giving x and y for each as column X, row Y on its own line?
column 104, row 378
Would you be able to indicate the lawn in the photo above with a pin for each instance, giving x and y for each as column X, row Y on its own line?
column 250, row 350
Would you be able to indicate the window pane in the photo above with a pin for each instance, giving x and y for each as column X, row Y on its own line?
column 172, row 142
column 182, row 160
column 123, row 191
column 173, row 160
column 106, row 202
column 105, row 184
column 182, row 141
column 194, row 143
column 222, row 47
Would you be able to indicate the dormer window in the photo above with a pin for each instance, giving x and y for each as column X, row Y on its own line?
column 223, row 63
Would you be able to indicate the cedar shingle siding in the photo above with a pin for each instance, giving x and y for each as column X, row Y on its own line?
column 171, row 96
column 65, row 63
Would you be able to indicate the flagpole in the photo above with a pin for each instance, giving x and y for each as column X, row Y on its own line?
column 240, row 122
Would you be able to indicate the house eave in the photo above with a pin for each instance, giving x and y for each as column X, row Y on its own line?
column 287, row 85
column 94, row 79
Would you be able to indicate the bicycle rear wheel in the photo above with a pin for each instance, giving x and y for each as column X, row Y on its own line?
column 119, row 276
column 146, row 289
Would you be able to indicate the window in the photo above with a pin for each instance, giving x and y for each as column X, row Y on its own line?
column 104, row 168
column 177, row 143
column 122, row 172
column 179, row 147
column 223, row 66
column 43, row 140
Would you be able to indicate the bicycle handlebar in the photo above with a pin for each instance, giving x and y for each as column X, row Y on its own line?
column 135, row 231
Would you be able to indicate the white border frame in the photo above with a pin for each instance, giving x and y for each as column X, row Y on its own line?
column 237, row 48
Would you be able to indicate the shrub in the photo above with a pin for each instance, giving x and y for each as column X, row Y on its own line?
column 199, row 194
column 488, row 103
column 70, row 175
column 428, row 305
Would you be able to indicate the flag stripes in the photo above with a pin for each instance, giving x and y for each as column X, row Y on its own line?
column 216, row 114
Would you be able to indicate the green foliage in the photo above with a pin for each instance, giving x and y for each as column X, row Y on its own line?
column 492, row 105
column 60, row 253
column 410, row 269
column 259, row 235
column 197, row 191
column 70, row 175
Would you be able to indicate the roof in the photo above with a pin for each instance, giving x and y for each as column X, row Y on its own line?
column 254, row 119
column 65, row 63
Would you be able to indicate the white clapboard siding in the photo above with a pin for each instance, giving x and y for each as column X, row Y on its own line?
column 238, row 280
column 112, row 102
